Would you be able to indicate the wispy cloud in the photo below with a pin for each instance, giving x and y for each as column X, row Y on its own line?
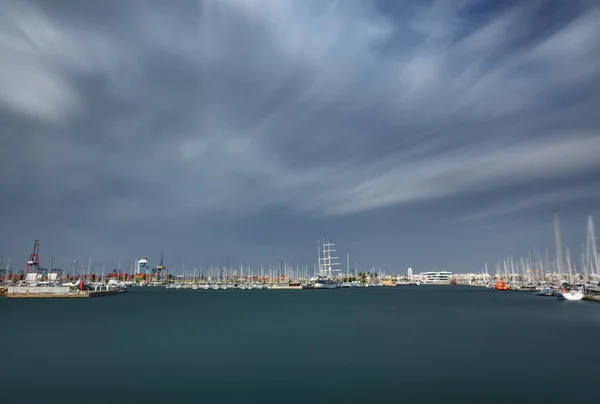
column 509, row 206
column 465, row 169
column 328, row 108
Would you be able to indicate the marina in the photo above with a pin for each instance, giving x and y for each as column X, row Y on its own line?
column 246, row 320
column 298, row 202
column 560, row 278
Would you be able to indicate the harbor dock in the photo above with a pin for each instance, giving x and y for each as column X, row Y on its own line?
column 592, row 297
column 41, row 292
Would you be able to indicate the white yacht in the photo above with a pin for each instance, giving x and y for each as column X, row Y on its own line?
column 326, row 283
column 568, row 292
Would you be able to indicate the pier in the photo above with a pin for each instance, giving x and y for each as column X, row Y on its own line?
column 40, row 292
column 594, row 297
column 100, row 293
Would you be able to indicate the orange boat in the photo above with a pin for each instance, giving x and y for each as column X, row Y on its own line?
column 501, row 285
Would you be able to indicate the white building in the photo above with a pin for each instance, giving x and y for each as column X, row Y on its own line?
column 436, row 277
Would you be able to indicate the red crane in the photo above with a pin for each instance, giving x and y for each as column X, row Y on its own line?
column 34, row 259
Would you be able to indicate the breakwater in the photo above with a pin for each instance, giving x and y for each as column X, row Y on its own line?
column 594, row 297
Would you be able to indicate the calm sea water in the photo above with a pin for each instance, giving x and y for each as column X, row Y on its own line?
column 427, row 344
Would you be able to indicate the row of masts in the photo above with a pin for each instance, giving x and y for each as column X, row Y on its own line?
column 563, row 267
column 588, row 260
column 282, row 272
column 326, row 266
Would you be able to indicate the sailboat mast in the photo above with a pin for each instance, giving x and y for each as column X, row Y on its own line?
column 569, row 264
column 319, row 255
column 347, row 267
column 558, row 245
column 593, row 262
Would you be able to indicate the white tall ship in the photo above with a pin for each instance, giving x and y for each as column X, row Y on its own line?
column 325, row 279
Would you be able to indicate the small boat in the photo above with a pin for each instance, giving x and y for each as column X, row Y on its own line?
column 501, row 285
column 569, row 293
column 545, row 291
column 326, row 283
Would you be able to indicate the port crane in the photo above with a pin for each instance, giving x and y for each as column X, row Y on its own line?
column 34, row 258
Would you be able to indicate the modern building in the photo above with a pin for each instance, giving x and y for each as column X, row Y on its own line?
column 436, row 277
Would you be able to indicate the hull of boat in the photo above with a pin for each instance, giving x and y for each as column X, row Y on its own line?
column 545, row 293
column 327, row 285
column 569, row 295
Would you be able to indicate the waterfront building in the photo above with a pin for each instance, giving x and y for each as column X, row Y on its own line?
column 436, row 277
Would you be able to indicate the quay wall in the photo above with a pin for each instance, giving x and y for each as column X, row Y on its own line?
column 24, row 292
column 39, row 290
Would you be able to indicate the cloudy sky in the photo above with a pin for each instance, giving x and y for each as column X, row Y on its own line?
column 431, row 134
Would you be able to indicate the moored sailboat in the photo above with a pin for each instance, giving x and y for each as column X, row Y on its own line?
column 568, row 292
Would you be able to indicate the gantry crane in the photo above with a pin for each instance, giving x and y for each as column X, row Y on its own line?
column 33, row 264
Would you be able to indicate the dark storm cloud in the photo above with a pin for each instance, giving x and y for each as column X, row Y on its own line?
column 130, row 112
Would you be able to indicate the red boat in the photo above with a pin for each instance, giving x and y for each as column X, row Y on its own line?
column 501, row 285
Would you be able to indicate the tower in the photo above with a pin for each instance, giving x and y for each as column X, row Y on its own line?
column 142, row 264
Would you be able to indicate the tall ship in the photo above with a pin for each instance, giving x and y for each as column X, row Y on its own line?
column 327, row 264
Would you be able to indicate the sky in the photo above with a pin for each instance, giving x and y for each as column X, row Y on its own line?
column 425, row 134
